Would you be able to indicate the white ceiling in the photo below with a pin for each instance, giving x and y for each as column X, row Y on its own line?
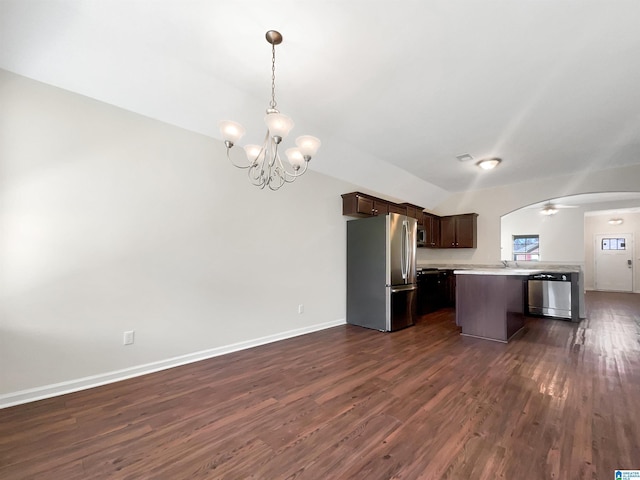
column 395, row 90
column 631, row 198
column 601, row 203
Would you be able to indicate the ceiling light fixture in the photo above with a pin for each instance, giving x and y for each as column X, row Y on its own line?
column 489, row 163
column 615, row 221
column 549, row 210
column 265, row 166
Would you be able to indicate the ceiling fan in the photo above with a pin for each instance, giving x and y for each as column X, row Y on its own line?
column 549, row 208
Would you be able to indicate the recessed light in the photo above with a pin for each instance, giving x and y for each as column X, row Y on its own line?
column 615, row 221
column 488, row 163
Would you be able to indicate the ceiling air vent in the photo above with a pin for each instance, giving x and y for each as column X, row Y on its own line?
column 464, row 157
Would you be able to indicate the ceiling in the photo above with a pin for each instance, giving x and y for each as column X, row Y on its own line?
column 601, row 203
column 631, row 198
column 395, row 90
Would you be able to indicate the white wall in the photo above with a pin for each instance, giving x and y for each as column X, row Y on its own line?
column 492, row 204
column 560, row 235
column 111, row 221
column 597, row 224
column 568, row 236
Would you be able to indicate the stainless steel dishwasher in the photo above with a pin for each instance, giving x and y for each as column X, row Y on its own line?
column 550, row 295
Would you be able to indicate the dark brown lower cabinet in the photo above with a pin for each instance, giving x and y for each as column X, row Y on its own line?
column 429, row 292
column 490, row 306
column 436, row 290
column 448, row 288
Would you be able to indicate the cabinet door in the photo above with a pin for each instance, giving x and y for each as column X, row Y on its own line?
column 429, row 293
column 448, row 232
column 466, row 231
column 458, row 231
column 432, row 229
column 435, row 227
column 395, row 208
column 358, row 205
column 447, row 288
column 411, row 211
column 380, row 207
column 365, row 205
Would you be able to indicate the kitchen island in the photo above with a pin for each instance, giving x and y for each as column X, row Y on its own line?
column 490, row 303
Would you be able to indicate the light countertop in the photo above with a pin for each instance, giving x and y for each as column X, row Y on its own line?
column 471, row 269
column 499, row 271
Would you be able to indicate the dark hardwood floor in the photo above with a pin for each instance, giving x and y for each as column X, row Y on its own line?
column 561, row 401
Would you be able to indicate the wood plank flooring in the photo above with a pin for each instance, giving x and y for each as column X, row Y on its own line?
column 561, row 401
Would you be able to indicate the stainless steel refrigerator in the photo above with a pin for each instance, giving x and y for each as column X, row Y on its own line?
column 381, row 272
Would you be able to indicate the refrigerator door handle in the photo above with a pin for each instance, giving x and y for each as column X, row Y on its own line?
column 407, row 239
column 405, row 250
column 403, row 288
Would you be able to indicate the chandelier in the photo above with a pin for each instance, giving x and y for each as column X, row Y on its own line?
column 265, row 167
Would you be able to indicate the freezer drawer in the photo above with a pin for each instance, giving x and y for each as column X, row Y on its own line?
column 401, row 306
column 550, row 298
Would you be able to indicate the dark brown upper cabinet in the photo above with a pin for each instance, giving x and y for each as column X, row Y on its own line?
column 454, row 231
column 414, row 211
column 395, row 208
column 431, row 225
column 357, row 204
column 459, row 231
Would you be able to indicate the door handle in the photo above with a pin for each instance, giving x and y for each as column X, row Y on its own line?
column 629, row 263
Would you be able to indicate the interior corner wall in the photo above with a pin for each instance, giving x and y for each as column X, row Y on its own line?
column 111, row 221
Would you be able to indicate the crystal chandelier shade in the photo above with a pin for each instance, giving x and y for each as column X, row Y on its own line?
column 265, row 168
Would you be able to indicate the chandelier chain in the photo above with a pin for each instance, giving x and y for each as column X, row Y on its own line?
column 273, row 77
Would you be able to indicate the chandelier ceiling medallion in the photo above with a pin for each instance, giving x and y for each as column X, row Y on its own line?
column 265, row 167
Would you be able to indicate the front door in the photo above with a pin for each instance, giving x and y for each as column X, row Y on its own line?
column 614, row 262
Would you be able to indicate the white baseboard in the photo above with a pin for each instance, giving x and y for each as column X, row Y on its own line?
column 48, row 391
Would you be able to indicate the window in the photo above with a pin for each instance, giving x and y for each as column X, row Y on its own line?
column 526, row 248
column 613, row 244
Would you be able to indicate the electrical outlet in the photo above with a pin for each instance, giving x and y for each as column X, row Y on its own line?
column 301, row 308
column 129, row 337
